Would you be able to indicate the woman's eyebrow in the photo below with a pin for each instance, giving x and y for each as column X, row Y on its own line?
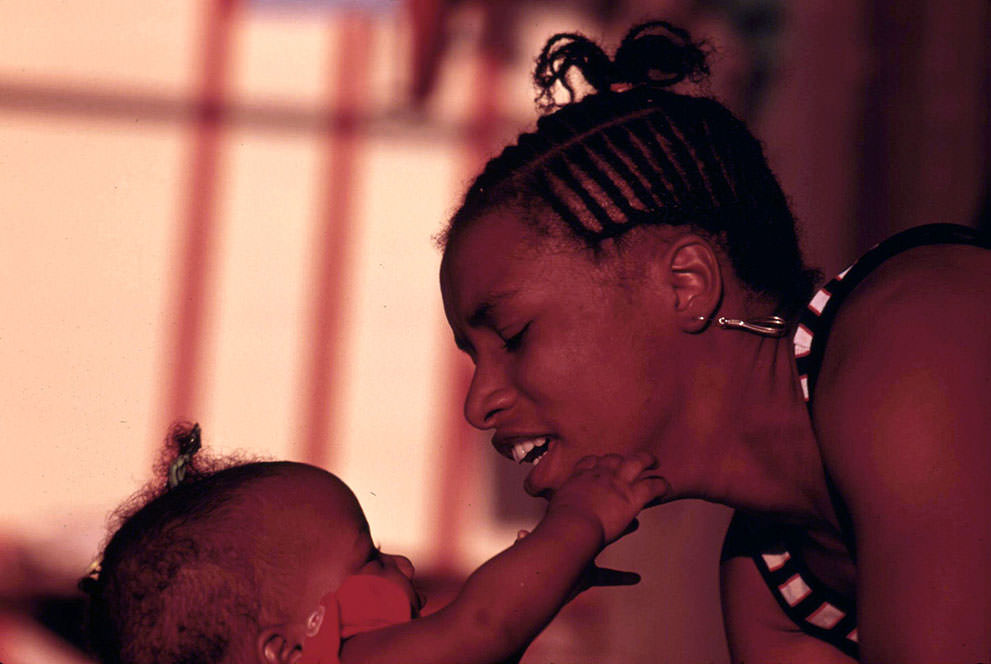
column 482, row 314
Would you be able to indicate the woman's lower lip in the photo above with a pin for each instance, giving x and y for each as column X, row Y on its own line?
column 532, row 482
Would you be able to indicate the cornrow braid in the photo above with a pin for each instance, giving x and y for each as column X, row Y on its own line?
column 633, row 153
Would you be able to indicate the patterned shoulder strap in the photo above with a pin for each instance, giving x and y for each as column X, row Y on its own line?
column 816, row 320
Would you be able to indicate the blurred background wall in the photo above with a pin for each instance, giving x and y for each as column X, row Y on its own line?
column 223, row 211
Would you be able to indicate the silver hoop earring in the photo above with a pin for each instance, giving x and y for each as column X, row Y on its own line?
column 766, row 326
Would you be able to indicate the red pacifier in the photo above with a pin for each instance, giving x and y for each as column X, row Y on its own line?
column 363, row 603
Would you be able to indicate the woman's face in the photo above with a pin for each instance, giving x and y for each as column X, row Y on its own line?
column 570, row 359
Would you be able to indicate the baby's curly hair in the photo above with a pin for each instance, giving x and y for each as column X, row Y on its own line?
column 176, row 583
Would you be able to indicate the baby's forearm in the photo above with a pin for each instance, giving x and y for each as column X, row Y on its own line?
column 513, row 596
column 503, row 605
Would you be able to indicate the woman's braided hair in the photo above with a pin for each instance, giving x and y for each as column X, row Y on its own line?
column 634, row 153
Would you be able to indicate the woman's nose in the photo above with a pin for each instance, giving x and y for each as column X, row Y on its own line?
column 487, row 396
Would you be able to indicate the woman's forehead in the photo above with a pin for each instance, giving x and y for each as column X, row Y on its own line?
column 505, row 234
column 501, row 228
column 500, row 253
column 489, row 264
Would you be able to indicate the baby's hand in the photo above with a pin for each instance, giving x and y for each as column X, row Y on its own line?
column 609, row 490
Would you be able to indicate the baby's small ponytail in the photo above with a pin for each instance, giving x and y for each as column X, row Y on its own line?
column 182, row 444
column 655, row 53
column 185, row 440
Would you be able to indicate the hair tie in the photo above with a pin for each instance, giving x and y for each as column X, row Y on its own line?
column 189, row 443
column 90, row 582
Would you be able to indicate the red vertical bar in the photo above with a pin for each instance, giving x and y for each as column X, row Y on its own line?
column 198, row 228
column 426, row 17
column 321, row 387
column 459, row 460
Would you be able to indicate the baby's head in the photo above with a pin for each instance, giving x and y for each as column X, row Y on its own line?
column 232, row 565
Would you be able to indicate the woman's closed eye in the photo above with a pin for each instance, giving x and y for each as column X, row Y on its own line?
column 515, row 341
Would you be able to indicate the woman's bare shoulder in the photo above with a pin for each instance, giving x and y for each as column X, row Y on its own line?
column 902, row 412
column 918, row 280
column 910, row 347
column 930, row 305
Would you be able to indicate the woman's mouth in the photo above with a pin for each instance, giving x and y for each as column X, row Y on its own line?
column 531, row 450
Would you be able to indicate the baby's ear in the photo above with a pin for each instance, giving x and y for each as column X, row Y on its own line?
column 279, row 645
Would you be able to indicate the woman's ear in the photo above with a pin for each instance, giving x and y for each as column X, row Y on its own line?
column 693, row 272
column 279, row 645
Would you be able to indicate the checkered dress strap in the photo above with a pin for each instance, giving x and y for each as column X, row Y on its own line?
column 815, row 608
column 817, row 318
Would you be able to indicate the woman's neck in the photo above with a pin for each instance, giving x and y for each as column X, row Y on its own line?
column 749, row 441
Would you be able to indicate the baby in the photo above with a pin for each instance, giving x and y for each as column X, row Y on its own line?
column 273, row 563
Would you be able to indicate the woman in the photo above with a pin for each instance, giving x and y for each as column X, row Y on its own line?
column 627, row 277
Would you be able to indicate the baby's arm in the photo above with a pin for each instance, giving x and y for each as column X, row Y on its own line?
column 506, row 602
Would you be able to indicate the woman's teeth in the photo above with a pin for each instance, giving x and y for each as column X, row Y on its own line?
column 530, row 450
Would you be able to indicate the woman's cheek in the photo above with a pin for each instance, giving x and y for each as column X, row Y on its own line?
column 546, row 368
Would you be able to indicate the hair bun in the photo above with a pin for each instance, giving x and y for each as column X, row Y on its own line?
column 659, row 53
column 655, row 53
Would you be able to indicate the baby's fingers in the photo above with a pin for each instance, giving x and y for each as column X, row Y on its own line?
column 634, row 465
column 610, row 462
column 586, row 463
column 650, row 489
